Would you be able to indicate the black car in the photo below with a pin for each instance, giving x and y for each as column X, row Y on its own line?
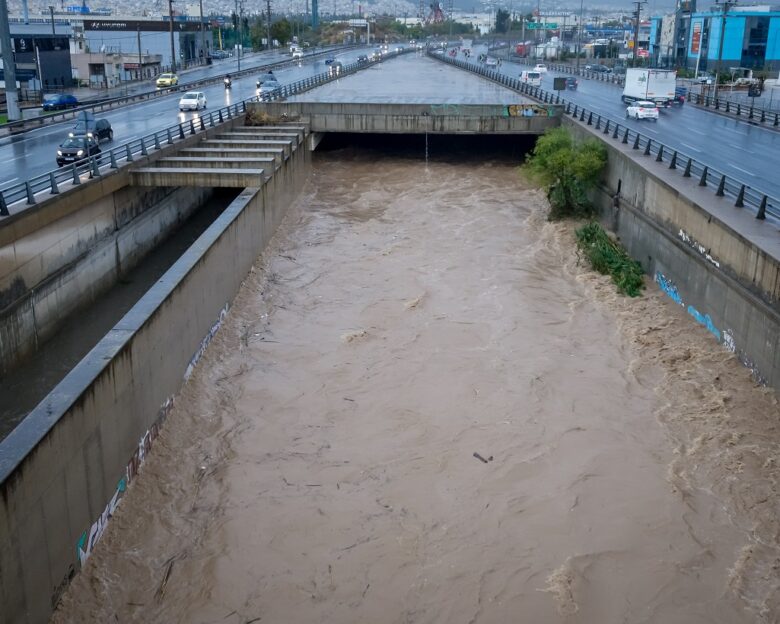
column 571, row 83
column 99, row 128
column 599, row 69
column 362, row 59
column 335, row 68
column 76, row 149
column 269, row 77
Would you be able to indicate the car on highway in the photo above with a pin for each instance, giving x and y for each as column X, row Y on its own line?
column 541, row 68
column 598, row 69
column 362, row 59
column 98, row 128
column 192, row 100
column 642, row 110
column 491, row 61
column 167, row 80
column 220, row 54
column 269, row 86
column 531, row 78
column 265, row 78
column 297, row 54
column 76, row 149
column 335, row 68
column 329, row 60
column 571, row 83
column 59, row 101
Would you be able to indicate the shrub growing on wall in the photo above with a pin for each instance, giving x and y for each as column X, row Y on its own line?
column 567, row 170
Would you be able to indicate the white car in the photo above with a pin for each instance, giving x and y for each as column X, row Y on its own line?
column 491, row 61
column 297, row 54
column 642, row 110
column 192, row 100
column 541, row 68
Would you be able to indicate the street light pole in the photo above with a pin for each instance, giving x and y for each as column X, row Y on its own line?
column 638, row 12
column 173, row 47
column 727, row 4
column 579, row 36
column 202, row 34
column 51, row 12
column 9, row 65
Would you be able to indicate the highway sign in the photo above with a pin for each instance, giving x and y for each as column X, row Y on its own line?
column 538, row 26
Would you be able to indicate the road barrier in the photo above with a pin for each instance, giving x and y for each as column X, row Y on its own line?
column 50, row 182
column 743, row 195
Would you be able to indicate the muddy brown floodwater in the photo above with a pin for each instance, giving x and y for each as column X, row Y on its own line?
column 319, row 465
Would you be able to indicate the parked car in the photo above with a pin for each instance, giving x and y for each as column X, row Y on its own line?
column 59, row 101
column 77, row 149
column 167, row 80
column 541, row 68
column 362, row 59
column 642, row 110
column 269, row 86
column 571, row 83
column 192, row 100
column 335, row 68
column 98, row 128
column 265, row 78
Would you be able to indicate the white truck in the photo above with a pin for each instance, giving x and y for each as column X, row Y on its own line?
column 653, row 85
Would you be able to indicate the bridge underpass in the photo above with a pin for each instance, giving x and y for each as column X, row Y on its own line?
column 409, row 315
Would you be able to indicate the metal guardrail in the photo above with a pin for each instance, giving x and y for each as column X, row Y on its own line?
column 726, row 105
column 743, row 195
column 122, row 100
column 112, row 159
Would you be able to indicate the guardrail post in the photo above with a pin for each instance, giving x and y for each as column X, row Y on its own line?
column 762, row 209
column 76, row 178
column 94, row 169
column 3, row 206
column 647, row 147
column 211, row 119
column 113, row 160
column 30, row 196
column 202, row 124
column 606, row 127
column 582, row 114
column 229, row 114
column 703, row 179
column 687, row 173
column 181, row 131
column 170, row 137
column 220, row 116
column 156, row 141
column 777, row 119
column 660, row 157
column 763, row 116
column 192, row 127
column 740, row 203
column 673, row 164
column 143, row 147
column 636, row 141
column 598, row 122
column 53, row 183
column 625, row 136
column 750, row 115
column 721, row 186
column 615, row 133
column 243, row 106
column 739, row 110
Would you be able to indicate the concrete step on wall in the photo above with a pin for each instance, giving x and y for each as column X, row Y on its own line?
column 266, row 136
column 198, row 176
column 215, row 162
column 270, row 156
column 239, row 141
column 278, row 153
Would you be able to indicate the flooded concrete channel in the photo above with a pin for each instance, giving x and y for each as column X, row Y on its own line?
column 321, row 464
column 82, row 331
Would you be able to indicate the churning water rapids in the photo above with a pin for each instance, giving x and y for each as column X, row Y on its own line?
column 319, row 465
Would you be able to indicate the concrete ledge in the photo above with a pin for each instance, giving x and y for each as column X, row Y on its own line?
column 191, row 176
column 213, row 162
column 278, row 153
column 294, row 137
column 227, row 140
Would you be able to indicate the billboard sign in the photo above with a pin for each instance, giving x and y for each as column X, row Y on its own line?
column 696, row 39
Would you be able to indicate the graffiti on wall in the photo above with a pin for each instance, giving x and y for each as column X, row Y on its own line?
column 205, row 342
column 527, row 110
column 669, row 287
column 695, row 245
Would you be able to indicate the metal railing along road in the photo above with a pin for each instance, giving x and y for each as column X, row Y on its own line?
column 743, row 195
column 110, row 103
column 75, row 174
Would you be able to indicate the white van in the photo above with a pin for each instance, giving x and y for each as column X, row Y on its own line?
column 532, row 78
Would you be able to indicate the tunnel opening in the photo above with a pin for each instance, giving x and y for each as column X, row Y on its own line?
column 443, row 148
column 27, row 384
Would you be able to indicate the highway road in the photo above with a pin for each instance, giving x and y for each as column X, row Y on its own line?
column 33, row 152
column 741, row 150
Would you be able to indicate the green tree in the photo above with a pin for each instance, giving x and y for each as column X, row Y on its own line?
column 502, row 21
column 281, row 30
column 567, row 170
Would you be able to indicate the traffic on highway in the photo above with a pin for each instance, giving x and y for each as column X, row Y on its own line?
column 35, row 152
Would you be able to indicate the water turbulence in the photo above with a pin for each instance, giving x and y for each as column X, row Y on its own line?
column 422, row 409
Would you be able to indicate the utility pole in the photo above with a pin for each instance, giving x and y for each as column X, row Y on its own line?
column 173, row 47
column 202, row 34
column 268, row 23
column 727, row 4
column 51, row 12
column 9, row 65
column 637, row 13
column 238, row 37
column 140, row 58
column 579, row 36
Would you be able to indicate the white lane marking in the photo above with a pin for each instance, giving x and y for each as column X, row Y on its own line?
column 698, row 132
column 12, row 159
column 8, row 180
column 745, row 171
column 691, row 147
column 648, row 130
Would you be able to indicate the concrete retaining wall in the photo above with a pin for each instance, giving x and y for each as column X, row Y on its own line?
column 64, row 469
column 511, row 118
column 62, row 253
column 717, row 261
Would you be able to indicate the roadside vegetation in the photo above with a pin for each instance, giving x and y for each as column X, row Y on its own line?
column 567, row 170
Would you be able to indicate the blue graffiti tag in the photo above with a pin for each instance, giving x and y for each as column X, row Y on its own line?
column 668, row 287
column 704, row 320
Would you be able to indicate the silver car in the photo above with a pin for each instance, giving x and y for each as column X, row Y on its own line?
column 192, row 100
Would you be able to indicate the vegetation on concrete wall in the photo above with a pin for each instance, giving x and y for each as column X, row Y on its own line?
column 609, row 257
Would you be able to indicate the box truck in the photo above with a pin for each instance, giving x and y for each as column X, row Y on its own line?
column 654, row 85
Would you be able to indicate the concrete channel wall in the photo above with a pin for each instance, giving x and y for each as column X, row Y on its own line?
column 514, row 117
column 61, row 254
column 717, row 261
column 66, row 467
